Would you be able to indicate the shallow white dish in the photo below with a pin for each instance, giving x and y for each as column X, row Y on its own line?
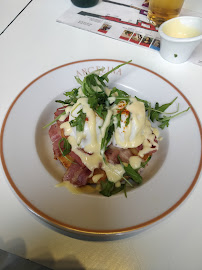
column 27, row 157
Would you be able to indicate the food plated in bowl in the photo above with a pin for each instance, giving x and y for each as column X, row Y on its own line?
column 33, row 173
column 104, row 136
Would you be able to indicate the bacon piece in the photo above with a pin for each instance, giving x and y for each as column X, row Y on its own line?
column 72, row 172
column 136, row 150
column 112, row 154
column 59, row 111
column 82, row 179
column 125, row 154
column 56, row 136
column 77, row 175
column 56, row 148
column 98, row 171
column 140, row 147
column 76, row 158
column 55, row 132
column 66, row 161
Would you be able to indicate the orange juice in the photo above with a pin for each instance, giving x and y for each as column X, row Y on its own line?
column 163, row 10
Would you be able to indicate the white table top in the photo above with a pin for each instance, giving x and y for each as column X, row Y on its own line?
column 9, row 12
column 35, row 43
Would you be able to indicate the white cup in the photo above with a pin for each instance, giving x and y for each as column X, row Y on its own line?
column 178, row 49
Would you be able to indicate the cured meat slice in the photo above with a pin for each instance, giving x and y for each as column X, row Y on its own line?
column 55, row 132
column 114, row 153
column 76, row 158
column 77, row 175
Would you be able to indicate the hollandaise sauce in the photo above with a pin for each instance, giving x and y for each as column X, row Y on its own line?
column 176, row 29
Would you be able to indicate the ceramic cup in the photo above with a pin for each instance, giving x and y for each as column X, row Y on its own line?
column 179, row 37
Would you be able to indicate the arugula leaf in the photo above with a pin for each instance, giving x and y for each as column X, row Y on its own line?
column 72, row 97
column 133, row 173
column 165, row 120
column 66, row 146
column 93, row 78
column 108, row 188
column 118, row 189
column 121, row 95
column 146, row 103
column 57, row 118
column 79, row 121
column 78, row 80
column 135, row 176
column 97, row 102
column 105, row 76
column 143, row 164
column 90, row 82
column 108, row 134
column 155, row 113
column 101, row 80
column 93, row 89
column 92, row 101
column 128, row 120
column 118, row 116
column 101, row 111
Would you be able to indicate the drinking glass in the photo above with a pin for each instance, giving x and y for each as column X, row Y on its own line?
column 163, row 10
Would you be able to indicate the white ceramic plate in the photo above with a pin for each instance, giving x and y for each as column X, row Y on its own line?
column 27, row 157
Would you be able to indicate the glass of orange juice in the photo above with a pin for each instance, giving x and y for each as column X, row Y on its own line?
column 163, row 10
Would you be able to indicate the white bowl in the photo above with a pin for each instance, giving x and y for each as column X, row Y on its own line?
column 33, row 173
column 178, row 50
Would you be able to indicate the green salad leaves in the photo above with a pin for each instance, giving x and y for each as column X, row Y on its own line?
column 79, row 121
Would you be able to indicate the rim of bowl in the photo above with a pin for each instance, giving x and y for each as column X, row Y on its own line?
column 173, row 39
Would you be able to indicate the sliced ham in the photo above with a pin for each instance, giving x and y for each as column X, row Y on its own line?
column 112, row 154
column 82, row 179
column 125, row 154
column 56, row 148
column 72, row 172
column 55, row 132
column 59, row 111
column 76, row 158
column 140, row 147
column 77, row 175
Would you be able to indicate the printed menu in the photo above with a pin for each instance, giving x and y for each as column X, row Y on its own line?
column 124, row 20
